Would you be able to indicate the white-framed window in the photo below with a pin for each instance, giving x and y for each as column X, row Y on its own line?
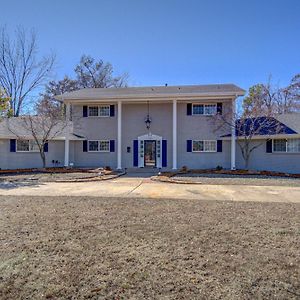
column 286, row 145
column 93, row 111
column 205, row 109
column 204, row 146
column 99, row 111
column 104, row 110
column 99, row 146
column 104, row 146
column 93, row 146
column 27, row 146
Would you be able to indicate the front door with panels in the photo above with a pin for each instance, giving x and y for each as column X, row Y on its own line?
column 150, row 153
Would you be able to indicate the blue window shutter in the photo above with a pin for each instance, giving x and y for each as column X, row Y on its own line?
column 112, row 146
column 46, row 147
column 84, row 111
column 84, row 146
column 12, row 145
column 219, row 146
column 189, row 109
column 219, row 108
column 135, row 153
column 164, row 153
column 112, row 110
column 189, row 146
column 269, row 146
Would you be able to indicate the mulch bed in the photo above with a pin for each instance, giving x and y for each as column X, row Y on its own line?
column 231, row 172
column 54, row 175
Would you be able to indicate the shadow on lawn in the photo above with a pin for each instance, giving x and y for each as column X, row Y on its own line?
column 10, row 185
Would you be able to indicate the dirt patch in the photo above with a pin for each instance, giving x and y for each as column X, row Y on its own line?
column 99, row 248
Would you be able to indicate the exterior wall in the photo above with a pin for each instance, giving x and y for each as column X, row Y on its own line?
column 261, row 160
column 19, row 160
column 200, row 128
column 94, row 128
column 133, row 126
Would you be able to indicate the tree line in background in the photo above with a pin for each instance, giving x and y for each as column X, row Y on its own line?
column 23, row 72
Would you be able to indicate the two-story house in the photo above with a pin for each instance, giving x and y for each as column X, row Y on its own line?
column 161, row 127
column 153, row 127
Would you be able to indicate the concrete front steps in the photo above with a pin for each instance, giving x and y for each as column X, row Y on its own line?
column 153, row 171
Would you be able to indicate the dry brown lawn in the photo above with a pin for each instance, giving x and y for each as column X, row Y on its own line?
column 104, row 248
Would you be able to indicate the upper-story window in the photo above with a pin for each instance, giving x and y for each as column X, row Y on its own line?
column 99, row 111
column 204, row 109
column 286, row 146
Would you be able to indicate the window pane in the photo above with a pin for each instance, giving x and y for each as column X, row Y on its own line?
column 103, row 145
column 197, row 109
column 93, row 111
column 210, row 109
column 22, row 145
column 293, row 145
column 104, row 111
column 93, row 145
column 279, row 145
column 210, row 146
column 33, row 146
column 198, row 146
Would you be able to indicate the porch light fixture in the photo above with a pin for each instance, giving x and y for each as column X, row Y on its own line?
column 148, row 119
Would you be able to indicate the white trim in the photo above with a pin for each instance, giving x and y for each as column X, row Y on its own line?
column 98, row 106
column 233, row 138
column 119, row 141
column 67, row 138
column 149, row 137
column 286, row 147
column 98, row 151
column 25, row 151
column 214, row 151
column 204, row 104
column 174, row 135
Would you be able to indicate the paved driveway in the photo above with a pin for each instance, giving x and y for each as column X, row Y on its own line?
column 141, row 186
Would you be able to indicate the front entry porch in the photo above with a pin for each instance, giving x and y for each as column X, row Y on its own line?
column 150, row 151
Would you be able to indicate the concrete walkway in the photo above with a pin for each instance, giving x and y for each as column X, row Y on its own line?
column 141, row 186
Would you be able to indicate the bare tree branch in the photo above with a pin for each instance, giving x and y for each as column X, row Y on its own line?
column 21, row 72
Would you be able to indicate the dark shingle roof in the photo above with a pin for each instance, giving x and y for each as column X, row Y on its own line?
column 260, row 126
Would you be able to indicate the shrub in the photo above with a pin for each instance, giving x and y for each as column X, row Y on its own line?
column 219, row 168
column 184, row 169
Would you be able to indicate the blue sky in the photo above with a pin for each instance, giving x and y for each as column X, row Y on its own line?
column 169, row 41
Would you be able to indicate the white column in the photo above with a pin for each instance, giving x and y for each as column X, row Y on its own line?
column 67, row 137
column 174, row 135
column 119, row 143
column 233, row 137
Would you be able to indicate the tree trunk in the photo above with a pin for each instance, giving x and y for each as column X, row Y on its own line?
column 43, row 156
column 247, row 162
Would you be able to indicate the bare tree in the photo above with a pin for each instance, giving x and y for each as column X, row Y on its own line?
column 54, row 88
column 21, row 72
column 46, row 125
column 267, row 99
column 97, row 74
column 252, row 126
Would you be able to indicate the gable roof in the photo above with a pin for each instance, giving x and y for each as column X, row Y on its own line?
column 11, row 128
column 230, row 90
column 261, row 126
column 291, row 120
